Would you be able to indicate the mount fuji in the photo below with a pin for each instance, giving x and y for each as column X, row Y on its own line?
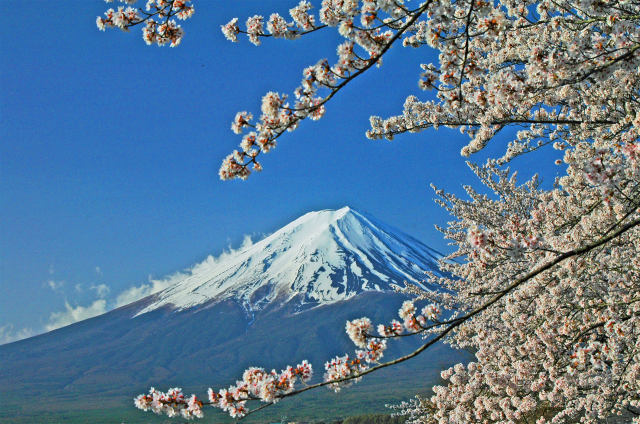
column 282, row 299
column 318, row 259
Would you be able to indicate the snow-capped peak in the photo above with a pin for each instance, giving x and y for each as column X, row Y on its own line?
column 321, row 257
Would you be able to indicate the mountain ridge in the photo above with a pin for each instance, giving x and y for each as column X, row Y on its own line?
column 324, row 256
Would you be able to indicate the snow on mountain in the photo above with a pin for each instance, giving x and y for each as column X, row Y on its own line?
column 320, row 258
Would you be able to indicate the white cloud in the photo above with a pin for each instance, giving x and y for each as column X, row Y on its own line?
column 79, row 313
column 101, row 305
column 101, row 290
column 138, row 292
column 246, row 242
column 8, row 335
column 55, row 285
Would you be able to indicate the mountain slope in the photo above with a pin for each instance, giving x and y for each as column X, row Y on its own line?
column 299, row 286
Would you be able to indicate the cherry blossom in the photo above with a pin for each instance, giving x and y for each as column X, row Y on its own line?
column 156, row 17
column 173, row 403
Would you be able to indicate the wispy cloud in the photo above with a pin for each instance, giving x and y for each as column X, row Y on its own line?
column 102, row 290
column 8, row 335
column 74, row 314
column 70, row 315
column 103, row 302
column 154, row 286
column 55, row 285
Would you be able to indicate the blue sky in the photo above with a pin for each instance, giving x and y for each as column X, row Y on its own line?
column 110, row 152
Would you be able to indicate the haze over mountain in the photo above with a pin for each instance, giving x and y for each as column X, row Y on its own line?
column 277, row 301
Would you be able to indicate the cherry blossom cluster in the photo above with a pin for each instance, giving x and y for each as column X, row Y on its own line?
column 159, row 27
column 258, row 384
column 173, row 403
column 277, row 26
column 344, row 370
column 564, row 345
column 496, row 58
column 121, row 18
column 411, row 321
column 359, row 330
column 395, row 328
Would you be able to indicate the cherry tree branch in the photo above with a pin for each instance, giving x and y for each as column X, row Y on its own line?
column 251, row 159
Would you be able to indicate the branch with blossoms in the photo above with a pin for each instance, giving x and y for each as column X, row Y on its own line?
column 502, row 65
column 159, row 27
column 278, row 116
column 270, row 387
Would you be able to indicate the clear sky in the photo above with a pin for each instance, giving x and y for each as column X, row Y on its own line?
column 110, row 150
